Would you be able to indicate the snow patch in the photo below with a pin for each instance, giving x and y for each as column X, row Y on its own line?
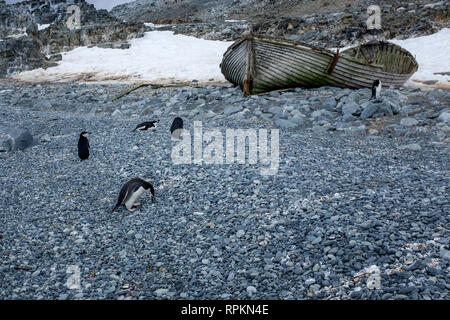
column 160, row 57
column 156, row 26
column 432, row 53
column 43, row 26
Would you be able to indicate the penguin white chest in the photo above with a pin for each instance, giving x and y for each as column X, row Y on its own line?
column 134, row 196
column 378, row 91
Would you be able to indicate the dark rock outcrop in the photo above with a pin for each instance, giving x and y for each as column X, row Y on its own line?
column 22, row 54
column 59, row 38
column 324, row 23
column 25, row 47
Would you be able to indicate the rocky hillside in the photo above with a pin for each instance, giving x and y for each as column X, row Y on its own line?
column 33, row 31
column 328, row 23
column 14, row 19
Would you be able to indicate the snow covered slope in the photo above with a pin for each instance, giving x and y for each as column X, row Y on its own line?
column 433, row 55
column 159, row 57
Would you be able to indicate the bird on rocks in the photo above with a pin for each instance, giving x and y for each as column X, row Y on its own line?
column 177, row 128
column 131, row 191
column 376, row 89
column 147, row 125
column 83, row 146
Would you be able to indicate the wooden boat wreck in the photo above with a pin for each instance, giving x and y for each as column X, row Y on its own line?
column 260, row 64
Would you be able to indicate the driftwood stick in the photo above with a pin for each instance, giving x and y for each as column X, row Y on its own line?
column 129, row 90
column 156, row 86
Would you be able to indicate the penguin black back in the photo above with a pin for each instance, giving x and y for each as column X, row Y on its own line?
column 83, row 146
column 147, row 125
column 129, row 190
column 176, row 128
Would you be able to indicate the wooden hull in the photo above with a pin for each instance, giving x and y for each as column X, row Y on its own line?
column 260, row 64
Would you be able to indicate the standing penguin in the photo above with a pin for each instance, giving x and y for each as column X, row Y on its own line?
column 83, row 146
column 177, row 128
column 131, row 191
column 376, row 89
column 147, row 125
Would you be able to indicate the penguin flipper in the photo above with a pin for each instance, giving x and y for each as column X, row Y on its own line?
column 152, row 190
column 122, row 196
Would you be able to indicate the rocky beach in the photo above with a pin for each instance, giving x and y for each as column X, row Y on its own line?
column 351, row 192
column 358, row 207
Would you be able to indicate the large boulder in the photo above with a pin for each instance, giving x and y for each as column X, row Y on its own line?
column 13, row 138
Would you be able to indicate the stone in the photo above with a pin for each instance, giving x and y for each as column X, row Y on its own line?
column 43, row 105
column 297, row 119
column 408, row 122
column 394, row 107
column 369, row 111
column 161, row 292
column 46, row 138
column 445, row 254
column 385, row 108
column 355, row 130
column 232, row 109
column 251, row 290
column 117, row 113
column 329, row 104
column 321, row 113
column 444, row 117
column 285, row 124
column 12, row 139
column 321, row 129
column 351, row 108
column 114, row 45
column 348, row 117
column 412, row 147
column 276, row 111
column 406, row 110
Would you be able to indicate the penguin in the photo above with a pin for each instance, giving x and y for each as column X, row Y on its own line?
column 83, row 146
column 147, row 125
column 177, row 128
column 131, row 191
column 376, row 89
